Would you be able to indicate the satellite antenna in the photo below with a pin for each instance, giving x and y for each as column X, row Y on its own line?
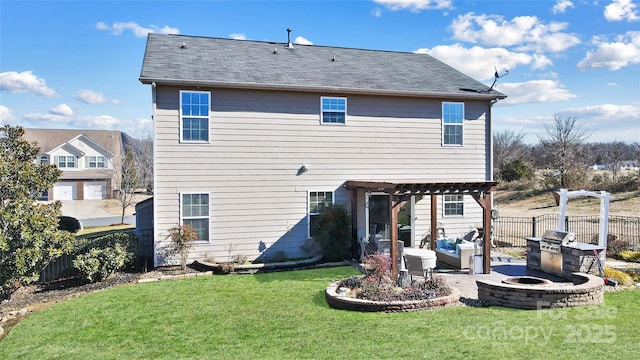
column 497, row 76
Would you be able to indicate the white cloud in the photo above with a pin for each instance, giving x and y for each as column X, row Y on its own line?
column 609, row 121
column 609, row 112
column 83, row 122
column 561, row 6
column 93, row 97
column 302, row 41
column 238, row 36
column 5, row 115
column 479, row 63
column 118, row 28
column 377, row 12
column 620, row 10
column 534, row 91
column 48, row 118
column 525, row 32
column 15, row 82
column 62, row 109
column 613, row 55
column 99, row 122
column 138, row 128
column 416, row 5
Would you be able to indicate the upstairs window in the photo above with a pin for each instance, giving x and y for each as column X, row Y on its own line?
column 194, row 116
column 44, row 160
column 334, row 110
column 318, row 203
column 453, row 205
column 452, row 123
column 97, row 162
column 66, row 161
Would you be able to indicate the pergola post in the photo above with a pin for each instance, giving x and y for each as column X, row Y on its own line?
column 485, row 203
column 486, row 249
column 393, row 210
column 354, row 222
column 434, row 221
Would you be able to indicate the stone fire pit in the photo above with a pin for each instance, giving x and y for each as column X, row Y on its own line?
column 581, row 290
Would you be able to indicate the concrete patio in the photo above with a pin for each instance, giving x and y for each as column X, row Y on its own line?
column 502, row 267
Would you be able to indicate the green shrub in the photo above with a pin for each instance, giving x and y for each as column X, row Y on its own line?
column 516, row 170
column 83, row 245
column 99, row 263
column 333, row 232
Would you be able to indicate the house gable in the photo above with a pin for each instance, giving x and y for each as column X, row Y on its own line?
column 83, row 140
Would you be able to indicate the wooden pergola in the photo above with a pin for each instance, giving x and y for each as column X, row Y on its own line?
column 400, row 191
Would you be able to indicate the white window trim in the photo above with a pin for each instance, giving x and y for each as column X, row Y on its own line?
column 443, row 123
column 104, row 161
column 66, row 161
column 309, row 213
column 208, row 117
column 322, row 111
column 196, row 217
column 444, row 212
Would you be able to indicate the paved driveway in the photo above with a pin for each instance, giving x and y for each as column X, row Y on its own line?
column 84, row 209
column 91, row 213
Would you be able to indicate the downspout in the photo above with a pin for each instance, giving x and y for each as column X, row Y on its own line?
column 155, row 173
column 490, row 134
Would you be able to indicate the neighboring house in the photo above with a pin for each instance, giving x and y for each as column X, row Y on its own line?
column 87, row 158
column 253, row 139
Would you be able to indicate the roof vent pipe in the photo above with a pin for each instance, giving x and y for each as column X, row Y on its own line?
column 289, row 44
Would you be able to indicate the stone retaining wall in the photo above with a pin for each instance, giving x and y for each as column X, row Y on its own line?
column 586, row 290
column 347, row 303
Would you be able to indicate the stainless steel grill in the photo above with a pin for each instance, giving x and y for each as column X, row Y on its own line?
column 551, row 250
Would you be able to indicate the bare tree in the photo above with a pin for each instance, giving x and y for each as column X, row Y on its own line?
column 127, row 180
column 616, row 153
column 143, row 150
column 563, row 146
column 508, row 146
column 636, row 157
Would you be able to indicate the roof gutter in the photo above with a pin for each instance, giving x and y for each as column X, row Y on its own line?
column 340, row 90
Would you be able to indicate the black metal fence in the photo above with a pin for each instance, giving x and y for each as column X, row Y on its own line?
column 513, row 231
column 140, row 244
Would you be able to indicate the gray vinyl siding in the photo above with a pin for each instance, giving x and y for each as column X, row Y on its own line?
column 259, row 140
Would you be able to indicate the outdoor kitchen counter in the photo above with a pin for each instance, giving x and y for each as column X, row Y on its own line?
column 573, row 245
column 576, row 257
column 583, row 246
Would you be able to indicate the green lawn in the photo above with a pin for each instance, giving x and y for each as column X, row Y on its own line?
column 284, row 316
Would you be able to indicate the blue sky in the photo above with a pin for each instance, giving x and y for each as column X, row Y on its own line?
column 75, row 64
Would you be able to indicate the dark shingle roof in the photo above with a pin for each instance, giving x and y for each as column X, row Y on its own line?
column 190, row 60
